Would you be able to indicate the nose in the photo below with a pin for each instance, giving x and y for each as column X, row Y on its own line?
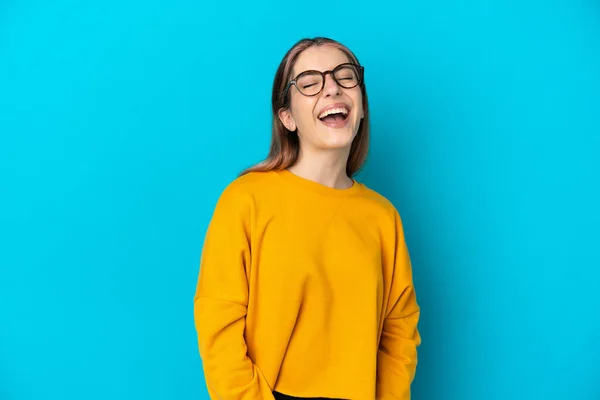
column 330, row 87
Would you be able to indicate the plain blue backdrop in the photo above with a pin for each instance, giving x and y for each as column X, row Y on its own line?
column 122, row 121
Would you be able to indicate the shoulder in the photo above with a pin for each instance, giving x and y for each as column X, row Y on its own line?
column 377, row 201
column 243, row 190
column 381, row 209
column 249, row 184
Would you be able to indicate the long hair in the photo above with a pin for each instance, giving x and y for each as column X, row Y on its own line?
column 285, row 145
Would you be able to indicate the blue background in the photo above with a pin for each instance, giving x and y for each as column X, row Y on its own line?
column 121, row 122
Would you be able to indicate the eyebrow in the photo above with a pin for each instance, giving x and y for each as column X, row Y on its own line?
column 294, row 74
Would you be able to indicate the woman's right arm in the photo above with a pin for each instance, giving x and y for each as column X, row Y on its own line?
column 221, row 300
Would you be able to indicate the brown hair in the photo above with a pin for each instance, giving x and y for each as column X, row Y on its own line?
column 285, row 145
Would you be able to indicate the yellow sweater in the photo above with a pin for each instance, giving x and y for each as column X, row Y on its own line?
column 306, row 290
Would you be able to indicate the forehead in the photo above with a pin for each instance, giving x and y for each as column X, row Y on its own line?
column 320, row 58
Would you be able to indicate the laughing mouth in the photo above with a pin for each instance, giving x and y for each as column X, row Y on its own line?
column 332, row 115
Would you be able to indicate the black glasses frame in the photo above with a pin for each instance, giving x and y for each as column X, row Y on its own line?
column 359, row 71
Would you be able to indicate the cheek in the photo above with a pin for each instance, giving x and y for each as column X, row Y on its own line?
column 360, row 113
column 357, row 100
column 302, row 110
column 359, row 110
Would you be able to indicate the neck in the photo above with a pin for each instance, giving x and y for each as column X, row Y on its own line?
column 325, row 167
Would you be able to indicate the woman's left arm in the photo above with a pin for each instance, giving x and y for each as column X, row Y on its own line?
column 397, row 355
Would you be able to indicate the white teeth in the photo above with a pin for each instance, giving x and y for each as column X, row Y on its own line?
column 342, row 110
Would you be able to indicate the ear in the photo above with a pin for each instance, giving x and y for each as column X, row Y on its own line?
column 285, row 116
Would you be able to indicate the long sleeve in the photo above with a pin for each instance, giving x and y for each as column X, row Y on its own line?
column 221, row 300
column 397, row 355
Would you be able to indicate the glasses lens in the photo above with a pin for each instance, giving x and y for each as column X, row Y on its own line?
column 310, row 83
column 347, row 76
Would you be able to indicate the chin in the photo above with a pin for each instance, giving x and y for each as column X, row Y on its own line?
column 339, row 138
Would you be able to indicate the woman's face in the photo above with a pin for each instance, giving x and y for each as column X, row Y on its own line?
column 307, row 114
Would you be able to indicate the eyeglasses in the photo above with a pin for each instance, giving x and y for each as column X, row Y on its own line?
column 311, row 82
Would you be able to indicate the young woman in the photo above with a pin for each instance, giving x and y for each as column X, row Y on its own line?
column 305, row 287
